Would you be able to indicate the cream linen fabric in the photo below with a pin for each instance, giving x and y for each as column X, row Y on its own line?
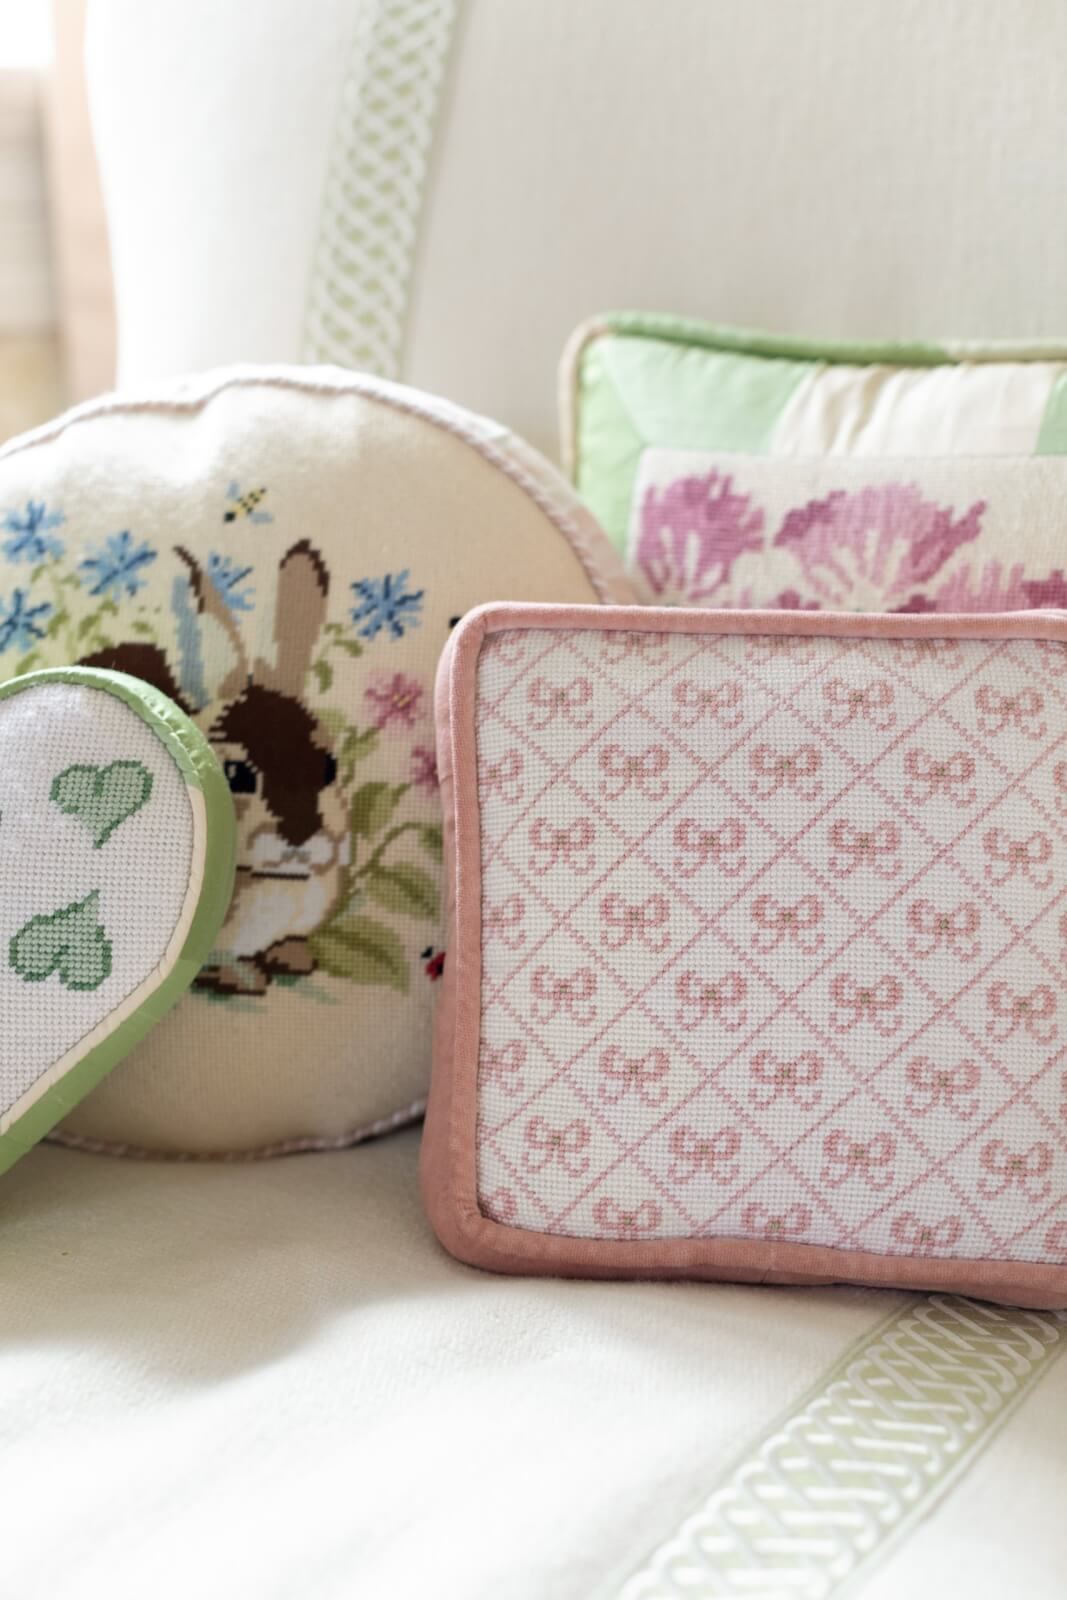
column 862, row 168
column 267, row 1381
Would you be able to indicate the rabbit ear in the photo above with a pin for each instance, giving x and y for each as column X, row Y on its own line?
column 299, row 613
column 209, row 604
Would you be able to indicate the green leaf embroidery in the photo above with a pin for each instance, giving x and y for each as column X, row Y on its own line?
column 433, row 840
column 323, row 673
column 372, row 807
column 404, row 888
column 69, row 942
column 362, row 950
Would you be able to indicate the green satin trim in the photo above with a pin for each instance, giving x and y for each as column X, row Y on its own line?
column 860, row 1459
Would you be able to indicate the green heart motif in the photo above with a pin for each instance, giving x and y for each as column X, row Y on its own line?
column 102, row 797
column 69, row 942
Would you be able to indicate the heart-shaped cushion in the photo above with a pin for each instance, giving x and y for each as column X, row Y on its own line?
column 117, row 841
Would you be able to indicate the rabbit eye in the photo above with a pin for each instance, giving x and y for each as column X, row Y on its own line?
column 329, row 770
column 241, row 776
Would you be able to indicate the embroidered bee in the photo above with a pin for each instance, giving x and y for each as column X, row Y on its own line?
column 245, row 505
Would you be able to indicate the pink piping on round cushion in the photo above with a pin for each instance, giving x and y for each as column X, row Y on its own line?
column 404, row 1118
column 527, row 469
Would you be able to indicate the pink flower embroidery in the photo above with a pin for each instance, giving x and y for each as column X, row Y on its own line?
column 869, row 550
column 692, row 532
column 394, row 699
column 424, row 768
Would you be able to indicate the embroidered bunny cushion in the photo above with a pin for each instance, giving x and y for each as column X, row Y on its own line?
column 283, row 553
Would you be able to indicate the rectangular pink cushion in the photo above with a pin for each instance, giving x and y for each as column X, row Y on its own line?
column 757, row 948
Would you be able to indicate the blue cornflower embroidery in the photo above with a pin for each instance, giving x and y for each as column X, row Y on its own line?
column 228, row 580
column 117, row 567
column 20, row 624
column 29, row 532
column 385, row 603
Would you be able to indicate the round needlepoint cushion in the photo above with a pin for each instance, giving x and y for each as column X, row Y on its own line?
column 284, row 554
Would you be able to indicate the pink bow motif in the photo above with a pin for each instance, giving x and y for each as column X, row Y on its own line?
column 998, row 711
column 934, row 928
column 622, row 1075
column 500, row 1206
column 502, row 1064
column 876, row 1002
column 698, row 999
column 569, row 846
column 1063, row 1090
column 1059, row 778
column 776, row 923
column 931, row 1086
column 722, row 704
column 1007, row 856
column 1034, row 1011
column 714, row 1155
column 765, row 646
column 943, row 777
column 1055, row 654
column 845, row 1157
column 648, row 648
column 845, row 702
column 1056, row 1239
column 509, row 646
column 647, row 919
column 503, row 922
column 915, row 652
column 777, row 770
column 776, row 1077
column 644, row 771
column 763, row 1223
column 1004, row 1168
column 925, row 1238
column 627, row 1221
column 697, row 845
column 876, row 847
column 571, row 996
column 547, row 1144
column 503, row 777
column 570, row 701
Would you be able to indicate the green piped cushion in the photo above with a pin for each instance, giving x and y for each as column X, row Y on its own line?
column 733, row 468
column 116, row 859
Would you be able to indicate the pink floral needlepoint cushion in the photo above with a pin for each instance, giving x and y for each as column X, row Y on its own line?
column 758, row 948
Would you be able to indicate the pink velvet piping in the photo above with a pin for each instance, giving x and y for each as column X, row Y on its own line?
column 449, row 1151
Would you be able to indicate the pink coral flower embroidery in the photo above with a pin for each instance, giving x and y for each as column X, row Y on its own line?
column 872, row 548
column 692, row 531
column 394, row 699
column 424, row 768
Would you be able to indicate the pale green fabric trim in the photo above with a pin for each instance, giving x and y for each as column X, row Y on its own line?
column 1052, row 438
column 867, row 1453
column 361, row 275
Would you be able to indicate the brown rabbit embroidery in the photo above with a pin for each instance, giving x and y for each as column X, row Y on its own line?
column 293, row 843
